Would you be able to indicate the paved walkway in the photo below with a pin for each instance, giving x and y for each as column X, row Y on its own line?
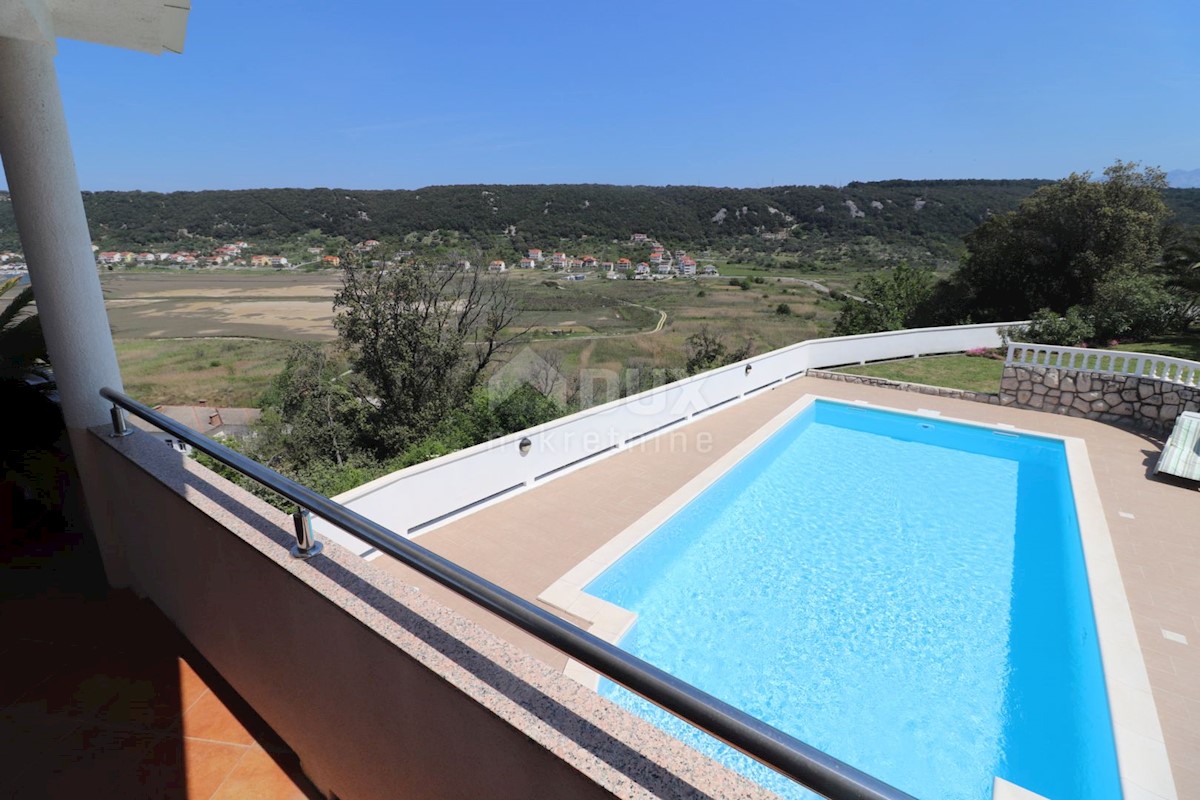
column 527, row 542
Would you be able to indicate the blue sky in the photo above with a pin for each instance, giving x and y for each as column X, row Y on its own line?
column 402, row 95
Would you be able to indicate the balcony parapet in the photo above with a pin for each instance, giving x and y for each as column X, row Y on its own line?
column 380, row 690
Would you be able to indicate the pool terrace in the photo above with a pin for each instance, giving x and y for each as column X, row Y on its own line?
column 529, row 541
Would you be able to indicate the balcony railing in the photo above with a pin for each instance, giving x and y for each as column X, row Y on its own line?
column 1105, row 362
column 812, row 768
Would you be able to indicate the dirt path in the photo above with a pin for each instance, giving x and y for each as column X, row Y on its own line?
column 585, row 355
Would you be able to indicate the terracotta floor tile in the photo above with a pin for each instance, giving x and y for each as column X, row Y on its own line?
column 191, row 686
column 26, row 665
column 89, row 762
column 258, row 777
column 177, row 767
column 209, row 719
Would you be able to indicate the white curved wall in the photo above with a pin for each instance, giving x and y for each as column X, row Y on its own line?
column 414, row 499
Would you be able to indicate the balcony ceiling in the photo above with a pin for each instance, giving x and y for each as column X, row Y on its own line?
column 149, row 26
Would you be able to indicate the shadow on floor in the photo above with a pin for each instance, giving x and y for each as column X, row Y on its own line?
column 101, row 696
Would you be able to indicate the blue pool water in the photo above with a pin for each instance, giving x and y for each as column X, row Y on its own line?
column 905, row 593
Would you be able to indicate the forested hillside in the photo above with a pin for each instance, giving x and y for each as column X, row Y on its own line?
column 925, row 215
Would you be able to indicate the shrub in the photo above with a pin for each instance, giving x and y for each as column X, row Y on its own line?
column 1046, row 327
column 1131, row 306
column 783, row 310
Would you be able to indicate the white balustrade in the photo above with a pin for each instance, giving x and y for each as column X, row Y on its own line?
column 1105, row 362
column 414, row 499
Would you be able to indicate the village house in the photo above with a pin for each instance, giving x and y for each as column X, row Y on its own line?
column 559, row 261
column 535, row 254
column 497, row 266
column 260, row 261
column 331, row 261
column 588, row 262
column 624, row 263
column 638, row 238
column 529, row 263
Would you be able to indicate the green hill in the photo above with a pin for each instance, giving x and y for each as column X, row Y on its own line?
column 913, row 218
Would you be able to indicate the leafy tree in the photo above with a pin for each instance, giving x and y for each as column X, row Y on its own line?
column 311, row 414
column 420, row 339
column 21, row 343
column 1181, row 269
column 706, row 349
column 886, row 301
column 1064, row 241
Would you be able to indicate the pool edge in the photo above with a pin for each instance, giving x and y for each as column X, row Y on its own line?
column 1143, row 765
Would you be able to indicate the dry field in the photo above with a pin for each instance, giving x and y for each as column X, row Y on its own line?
column 222, row 336
column 291, row 306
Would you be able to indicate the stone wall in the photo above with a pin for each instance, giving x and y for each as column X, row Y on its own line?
column 1126, row 399
column 905, row 386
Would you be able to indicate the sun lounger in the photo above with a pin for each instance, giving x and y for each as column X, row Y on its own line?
column 1181, row 456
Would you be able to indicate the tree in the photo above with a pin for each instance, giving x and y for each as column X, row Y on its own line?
column 420, row 339
column 1064, row 241
column 886, row 301
column 310, row 413
column 706, row 349
column 1181, row 269
column 21, row 344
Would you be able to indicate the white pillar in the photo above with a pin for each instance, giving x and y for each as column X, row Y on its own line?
column 44, row 188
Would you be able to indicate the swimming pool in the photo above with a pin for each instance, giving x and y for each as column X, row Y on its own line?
column 908, row 594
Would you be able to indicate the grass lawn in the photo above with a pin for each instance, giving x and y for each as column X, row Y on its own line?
column 227, row 372
column 983, row 374
column 1181, row 346
column 954, row 372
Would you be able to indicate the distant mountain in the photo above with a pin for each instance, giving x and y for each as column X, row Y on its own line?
column 1184, row 178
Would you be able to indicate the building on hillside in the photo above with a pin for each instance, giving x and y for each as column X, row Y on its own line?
column 278, row 261
column 656, row 258
column 643, row 268
column 607, row 266
column 528, row 263
column 588, row 262
column 559, row 261
column 331, row 261
column 535, row 254
column 624, row 263
column 497, row 266
column 638, row 238
column 260, row 261
column 687, row 267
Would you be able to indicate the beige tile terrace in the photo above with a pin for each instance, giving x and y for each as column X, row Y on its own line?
column 530, row 540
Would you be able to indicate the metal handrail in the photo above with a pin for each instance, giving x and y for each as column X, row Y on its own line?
column 813, row 768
